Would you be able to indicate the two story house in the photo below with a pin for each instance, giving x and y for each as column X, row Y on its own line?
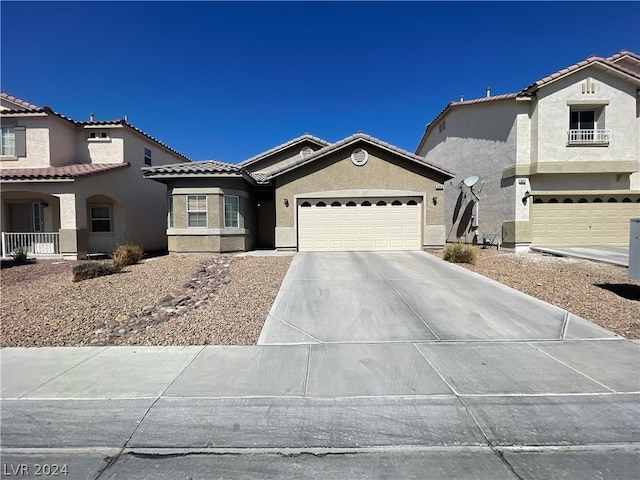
column 73, row 188
column 555, row 164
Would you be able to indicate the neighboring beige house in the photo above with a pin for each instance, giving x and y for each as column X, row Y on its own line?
column 73, row 188
column 557, row 162
column 357, row 194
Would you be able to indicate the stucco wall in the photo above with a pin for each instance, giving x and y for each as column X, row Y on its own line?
column 619, row 115
column 37, row 143
column 215, row 237
column 478, row 139
column 382, row 171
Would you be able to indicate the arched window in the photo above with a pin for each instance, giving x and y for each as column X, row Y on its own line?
column 583, row 200
column 351, row 204
column 597, row 200
column 305, row 204
column 336, row 204
column 366, row 203
column 626, row 200
column 321, row 204
column 396, row 202
column 553, row 200
column 567, row 200
column 381, row 203
column 412, row 202
column 612, row 200
column 538, row 200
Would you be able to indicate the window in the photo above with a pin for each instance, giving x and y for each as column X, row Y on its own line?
column 366, row 203
column 381, row 203
column 336, row 204
column 321, row 204
column 170, row 212
column 583, row 120
column 147, row 156
column 197, row 211
column 8, row 146
column 37, row 217
column 305, row 204
column 396, row 202
column 586, row 126
column 231, row 211
column 101, row 218
column 351, row 204
column 412, row 202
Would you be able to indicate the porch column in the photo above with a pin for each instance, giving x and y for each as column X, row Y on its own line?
column 74, row 240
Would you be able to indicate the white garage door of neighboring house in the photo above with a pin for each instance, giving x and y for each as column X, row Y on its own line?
column 359, row 224
column 584, row 223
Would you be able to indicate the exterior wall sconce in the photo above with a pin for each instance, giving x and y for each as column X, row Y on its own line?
column 527, row 194
column 44, row 203
column 286, row 202
column 435, row 200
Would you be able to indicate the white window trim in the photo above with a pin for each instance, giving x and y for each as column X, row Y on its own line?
column 91, row 218
column 224, row 211
column 170, row 215
column 12, row 129
column 198, row 211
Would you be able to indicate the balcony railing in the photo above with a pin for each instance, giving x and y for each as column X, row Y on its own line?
column 589, row 137
column 36, row 244
column 104, row 242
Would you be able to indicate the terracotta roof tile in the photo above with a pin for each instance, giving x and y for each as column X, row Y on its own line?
column 65, row 172
column 23, row 103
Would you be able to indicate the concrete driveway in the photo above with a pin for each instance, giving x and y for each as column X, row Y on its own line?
column 405, row 367
column 406, row 297
column 614, row 255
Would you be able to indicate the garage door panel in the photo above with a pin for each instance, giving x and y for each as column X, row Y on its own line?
column 582, row 223
column 353, row 228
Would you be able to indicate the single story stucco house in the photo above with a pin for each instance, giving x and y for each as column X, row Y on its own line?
column 359, row 193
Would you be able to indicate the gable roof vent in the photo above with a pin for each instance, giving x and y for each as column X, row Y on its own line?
column 359, row 156
column 306, row 151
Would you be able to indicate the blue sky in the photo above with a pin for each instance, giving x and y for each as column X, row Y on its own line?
column 226, row 81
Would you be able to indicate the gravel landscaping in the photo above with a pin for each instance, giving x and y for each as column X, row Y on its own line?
column 198, row 300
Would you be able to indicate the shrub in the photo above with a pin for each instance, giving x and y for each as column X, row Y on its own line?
column 459, row 253
column 20, row 255
column 125, row 255
column 91, row 270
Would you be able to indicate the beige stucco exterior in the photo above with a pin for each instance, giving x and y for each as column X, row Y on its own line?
column 290, row 178
column 519, row 147
column 138, row 207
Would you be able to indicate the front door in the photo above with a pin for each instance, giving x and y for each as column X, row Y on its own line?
column 266, row 222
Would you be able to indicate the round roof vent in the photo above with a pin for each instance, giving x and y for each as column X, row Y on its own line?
column 359, row 156
column 306, row 151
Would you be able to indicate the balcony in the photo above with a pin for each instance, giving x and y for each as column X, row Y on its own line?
column 589, row 137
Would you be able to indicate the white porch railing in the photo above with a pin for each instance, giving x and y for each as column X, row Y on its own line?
column 589, row 137
column 36, row 244
column 104, row 242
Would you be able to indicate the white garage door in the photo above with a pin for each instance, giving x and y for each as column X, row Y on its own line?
column 583, row 223
column 359, row 224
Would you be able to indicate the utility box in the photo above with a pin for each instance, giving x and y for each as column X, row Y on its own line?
column 634, row 249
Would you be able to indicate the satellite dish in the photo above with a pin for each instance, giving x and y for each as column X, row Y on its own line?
column 471, row 181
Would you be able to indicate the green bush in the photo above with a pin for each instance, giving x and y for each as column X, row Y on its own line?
column 91, row 270
column 460, row 253
column 20, row 255
column 125, row 255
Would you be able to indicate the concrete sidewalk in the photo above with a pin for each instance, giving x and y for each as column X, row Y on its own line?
column 424, row 386
column 457, row 409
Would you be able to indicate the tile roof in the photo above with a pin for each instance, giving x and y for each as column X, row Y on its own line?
column 66, row 172
column 206, row 168
column 33, row 109
column 301, row 138
column 609, row 62
column 350, row 140
column 592, row 60
column 25, row 105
